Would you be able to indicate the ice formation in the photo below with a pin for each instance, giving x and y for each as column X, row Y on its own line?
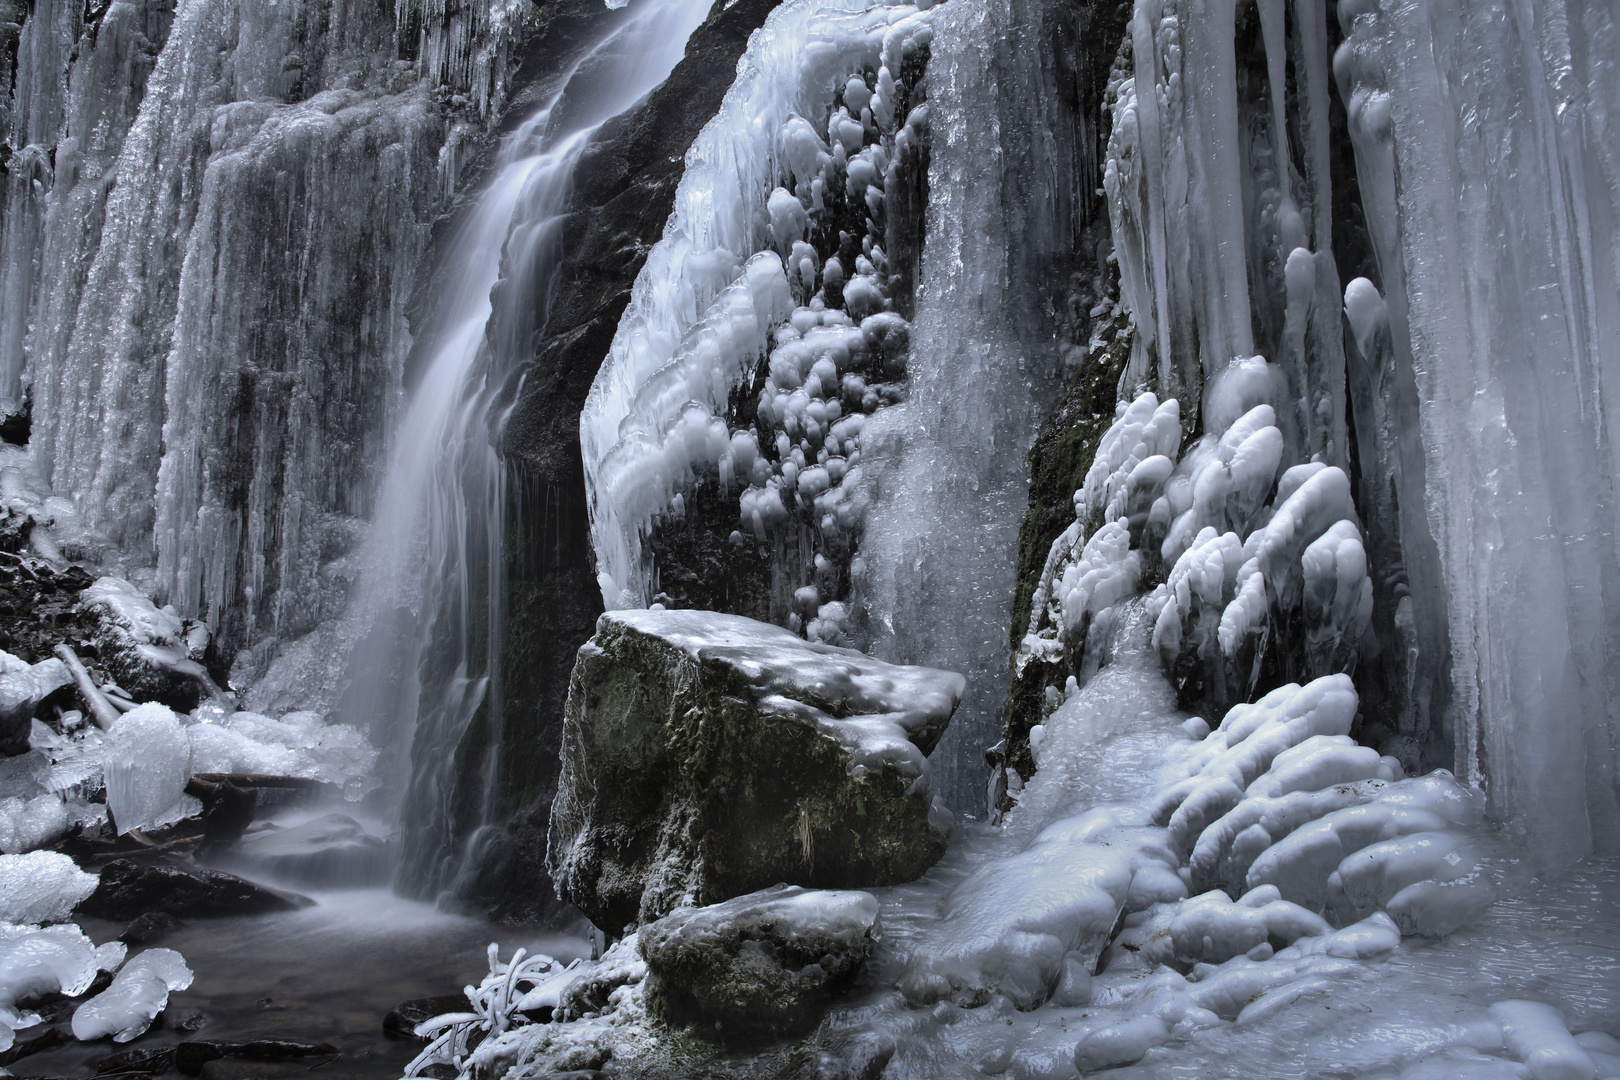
column 772, row 282
column 35, row 960
column 1163, row 891
column 298, row 744
column 147, row 764
column 500, row 1001
column 138, row 993
column 1451, row 454
column 1390, row 546
column 24, row 686
column 874, row 710
column 1252, row 586
column 140, row 339
column 817, row 163
column 143, row 643
column 41, row 887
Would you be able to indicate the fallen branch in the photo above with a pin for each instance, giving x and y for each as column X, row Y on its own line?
column 101, row 710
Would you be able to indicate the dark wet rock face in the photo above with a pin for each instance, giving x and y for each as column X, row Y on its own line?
column 758, row 966
column 707, row 755
column 130, row 889
column 150, row 928
column 149, row 1060
column 624, row 190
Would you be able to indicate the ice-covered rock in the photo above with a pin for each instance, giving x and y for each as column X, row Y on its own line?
column 1104, row 1046
column 22, row 688
column 150, row 651
column 25, row 826
column 764, row 964
column 147, row 763
column 1009, row 927
column 138, row 993
column 41, row 887
column 708, row 755
column 299, row 744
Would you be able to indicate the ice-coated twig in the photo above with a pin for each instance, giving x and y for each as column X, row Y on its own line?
column 494, row 1009
column 101, row 710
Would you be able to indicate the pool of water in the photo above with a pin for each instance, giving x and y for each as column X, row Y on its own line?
column 327, row 973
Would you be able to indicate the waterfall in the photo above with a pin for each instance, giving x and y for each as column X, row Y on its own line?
column 432, row 603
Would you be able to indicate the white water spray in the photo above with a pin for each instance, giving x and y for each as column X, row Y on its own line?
column 431, row 608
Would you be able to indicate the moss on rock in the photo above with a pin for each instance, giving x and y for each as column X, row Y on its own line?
column 706, row 756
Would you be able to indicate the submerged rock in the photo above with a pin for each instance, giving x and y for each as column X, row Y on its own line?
column 190, row 1057
column 151, row 927
column 130, row 889
column 333, row 850
column 401, row 1021
column 708, row 755
column 150, row 1060
column 765, row 964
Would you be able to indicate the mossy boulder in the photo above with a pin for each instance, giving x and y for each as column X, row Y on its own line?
column 762, row 965
column 706, row 756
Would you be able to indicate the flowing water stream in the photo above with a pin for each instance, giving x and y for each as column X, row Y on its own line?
column 433, row 592
column 431, row 598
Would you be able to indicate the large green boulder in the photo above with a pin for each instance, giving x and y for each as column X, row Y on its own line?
column 707, row 755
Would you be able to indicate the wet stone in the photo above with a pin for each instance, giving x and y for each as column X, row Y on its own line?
column 707, row 755
column 130, row 889
column 49, row 1039
column 149, row 928
column 142, row 1059
column 763, row 965
column 401, row 1021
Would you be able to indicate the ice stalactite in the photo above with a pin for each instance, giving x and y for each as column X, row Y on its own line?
column 230, row 192
column 1236, row 114
column 775, row 253
column 1467, row 350
column 1265, row 570
column 74, row 94
column 1222, row 226
column 1488, row 168
column 881, row 478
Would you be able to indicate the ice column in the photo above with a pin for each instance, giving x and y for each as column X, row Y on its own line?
column 1488, row 171
column 946, row 469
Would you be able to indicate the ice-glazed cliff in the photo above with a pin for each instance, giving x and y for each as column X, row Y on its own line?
column 1394, row 226
column 1218, row 386
column 215, row 216
column 1154, row 356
